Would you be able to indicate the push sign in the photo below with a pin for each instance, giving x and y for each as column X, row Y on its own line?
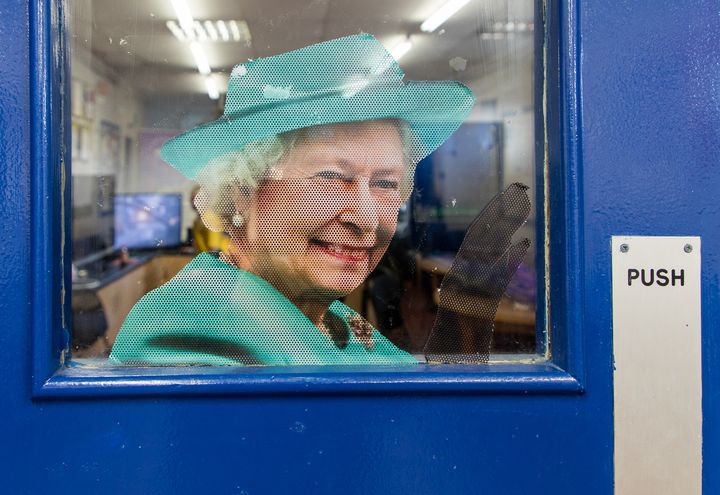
column 657, row 364
column 637, row 269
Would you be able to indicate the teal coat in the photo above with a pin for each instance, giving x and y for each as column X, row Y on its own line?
column 211, row 313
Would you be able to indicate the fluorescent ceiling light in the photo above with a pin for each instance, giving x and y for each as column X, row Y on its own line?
column 211, row 31
column 442, row 14
column 200, row 59
column 512, row 27
column 222, row 28
column 235, row 30
column 211, row 88
column 200, row 31
column 399, row 50
column 176, row 31
column 244, row 32
column 185, row 18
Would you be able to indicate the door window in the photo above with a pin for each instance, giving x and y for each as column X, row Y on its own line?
column 303, row 182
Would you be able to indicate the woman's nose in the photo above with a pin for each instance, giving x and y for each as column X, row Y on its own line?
column 362, row 207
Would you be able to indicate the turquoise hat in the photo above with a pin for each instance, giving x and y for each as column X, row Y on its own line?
column 347, row 79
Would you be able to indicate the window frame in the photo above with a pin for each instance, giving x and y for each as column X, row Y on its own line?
column 557, row 96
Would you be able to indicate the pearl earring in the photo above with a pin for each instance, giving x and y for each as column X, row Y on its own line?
column 237, row 220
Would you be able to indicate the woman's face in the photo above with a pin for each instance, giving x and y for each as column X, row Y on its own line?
column 321, row 221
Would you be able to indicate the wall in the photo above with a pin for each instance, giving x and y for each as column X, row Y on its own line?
column 102, row 103
column 505, row 94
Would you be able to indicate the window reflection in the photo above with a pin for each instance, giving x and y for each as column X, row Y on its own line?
column 142, row 74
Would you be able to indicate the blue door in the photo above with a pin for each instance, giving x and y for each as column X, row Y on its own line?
column 628, row 143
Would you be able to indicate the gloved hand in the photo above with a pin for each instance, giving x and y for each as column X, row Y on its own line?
column 471, row 291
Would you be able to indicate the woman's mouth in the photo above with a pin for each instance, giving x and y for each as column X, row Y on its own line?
column 342, row 251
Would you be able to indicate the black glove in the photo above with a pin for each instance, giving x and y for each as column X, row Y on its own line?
column 471, row 291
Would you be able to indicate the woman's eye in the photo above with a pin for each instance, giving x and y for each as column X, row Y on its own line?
column 386, row 184
column 330, row 174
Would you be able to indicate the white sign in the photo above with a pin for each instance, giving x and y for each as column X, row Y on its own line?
column 657, row 365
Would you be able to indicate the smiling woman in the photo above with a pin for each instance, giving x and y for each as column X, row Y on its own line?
column 306, row 172
column 320, row 221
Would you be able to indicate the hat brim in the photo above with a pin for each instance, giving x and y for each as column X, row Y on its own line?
column 432, row 109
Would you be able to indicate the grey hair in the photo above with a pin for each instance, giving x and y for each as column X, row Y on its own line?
column 243, row 170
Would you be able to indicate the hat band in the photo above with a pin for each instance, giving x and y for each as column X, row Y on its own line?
column 282, row 96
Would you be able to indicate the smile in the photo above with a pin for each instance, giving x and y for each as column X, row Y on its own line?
column 342, row 251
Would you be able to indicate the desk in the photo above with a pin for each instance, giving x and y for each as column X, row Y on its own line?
column 118, row 294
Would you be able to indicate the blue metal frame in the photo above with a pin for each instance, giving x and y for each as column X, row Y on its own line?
column 50, row 189
column 562, row 375
column 562, row 149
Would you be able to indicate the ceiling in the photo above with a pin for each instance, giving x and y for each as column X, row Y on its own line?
column 130, row 38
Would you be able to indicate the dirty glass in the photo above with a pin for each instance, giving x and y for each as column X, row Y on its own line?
column 302, row 182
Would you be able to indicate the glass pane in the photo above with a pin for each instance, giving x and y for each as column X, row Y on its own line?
column 302, row 181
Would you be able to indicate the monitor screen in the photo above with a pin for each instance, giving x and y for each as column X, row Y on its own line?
column 147, row 220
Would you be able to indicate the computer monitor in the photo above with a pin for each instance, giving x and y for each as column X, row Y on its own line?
column 148, row 221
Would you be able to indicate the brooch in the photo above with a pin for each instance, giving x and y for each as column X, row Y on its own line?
column 362, row 331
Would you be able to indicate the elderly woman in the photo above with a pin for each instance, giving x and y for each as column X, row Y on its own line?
column 306, row 172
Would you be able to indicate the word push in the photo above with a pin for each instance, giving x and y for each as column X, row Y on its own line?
column 661, row 277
